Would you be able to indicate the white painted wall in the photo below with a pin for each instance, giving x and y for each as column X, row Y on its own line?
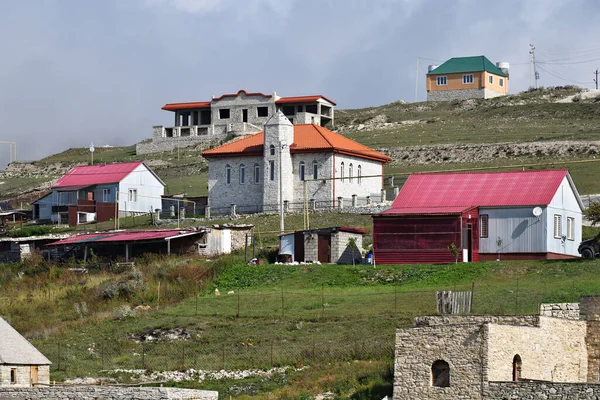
column 367, row 187
column 519, row 229
column 564, row 203
column 149, row 190
column 245, row 195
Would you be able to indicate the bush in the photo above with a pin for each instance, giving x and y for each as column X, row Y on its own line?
column 125, row 288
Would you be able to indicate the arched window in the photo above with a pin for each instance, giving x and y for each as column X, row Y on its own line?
column 242, row 174
column 342, row 171
column 359, row 174
column 516, row 368
column 302, row 170
column 315, row 170
column 256, row 173
column 350, row 172
column 440, row 374
column 228, row 174
column 272, row 150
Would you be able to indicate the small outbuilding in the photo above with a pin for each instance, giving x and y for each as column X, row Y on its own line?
column 326, row 245
column 487, row 215
column 21, row 364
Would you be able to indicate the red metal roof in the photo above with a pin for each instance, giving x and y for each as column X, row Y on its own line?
column 87, row 175
column 430, row 193
column 124, row 236
column 308, row 138
column 186, row 106
column 426, row 211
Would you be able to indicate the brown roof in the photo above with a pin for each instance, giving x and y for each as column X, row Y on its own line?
column 308, row 138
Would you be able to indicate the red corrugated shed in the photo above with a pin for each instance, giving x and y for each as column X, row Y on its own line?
column 87, row 175
column 478, row 189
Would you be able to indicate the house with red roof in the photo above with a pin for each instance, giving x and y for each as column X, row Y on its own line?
column 236, row 114
column 486, row 215
column 301, row 160
column 96, row 193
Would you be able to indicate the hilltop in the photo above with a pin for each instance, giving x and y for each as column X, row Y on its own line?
column 544, row 128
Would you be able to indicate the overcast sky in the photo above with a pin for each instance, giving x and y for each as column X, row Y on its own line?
column 76, row 71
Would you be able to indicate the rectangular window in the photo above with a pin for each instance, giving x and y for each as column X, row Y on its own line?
column 256, row 174
column 483, row 226
column 228, row 175
column 242, row 174
column 106, row 195
column 272, row 170
column 557, row 226
column 13, row 375
column 262, row 111
column 501, row 82
column 132, row 195
column 302, row 177
column 570, row 228
column 491, row 79
column 442, row 81
column 467, row 79
column 300, row 108
column 315, row 170
column 288, row 110
column 311, row 108
column 224, row 113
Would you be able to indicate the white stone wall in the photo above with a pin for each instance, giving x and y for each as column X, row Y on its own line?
column 459, row 94
column 341, row 253
column 23, row 375
column 488, row 94
column 278, row 130
column 245, row 195
column 555, row 351
column 367, row 187
column 318, row 190
column 236, row 105
column 560, row 310
column 106, row 393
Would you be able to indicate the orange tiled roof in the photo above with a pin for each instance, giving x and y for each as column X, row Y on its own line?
column 302, row 99
column 308, row 138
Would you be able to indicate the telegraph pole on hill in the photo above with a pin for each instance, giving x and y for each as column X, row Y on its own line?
column 596, row 80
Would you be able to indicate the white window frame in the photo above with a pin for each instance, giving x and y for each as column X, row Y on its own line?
column 441, row 80
column 256, row 174
column 228, row 174
column 106, row 195
column 467, row 79
column 132, row 195
column 557, row 226
column 242, row 174
column 570, row 228
column 484, row 226
column 491, row 79
column 501, row 82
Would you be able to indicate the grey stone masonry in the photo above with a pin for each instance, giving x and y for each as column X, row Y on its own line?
column 560, row 310
column 105, row 393
column 462, row 94
column 541, row 390
column 436, row 320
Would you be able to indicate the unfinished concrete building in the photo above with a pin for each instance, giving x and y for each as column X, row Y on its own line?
column 551, row 355
column 236, row 114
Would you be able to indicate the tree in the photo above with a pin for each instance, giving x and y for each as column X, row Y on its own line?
column 592, row 213
column 352, row 245
column 454, row 251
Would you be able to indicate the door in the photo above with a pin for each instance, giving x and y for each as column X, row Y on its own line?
column 299, row 246
column 324, row 248
column 34, row 374
column 244, row 115
column 36, row 211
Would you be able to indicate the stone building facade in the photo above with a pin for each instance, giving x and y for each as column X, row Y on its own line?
column 236, row 114
column 317, row 166
column 73, row 392
column 326, row 245
column 550, row 355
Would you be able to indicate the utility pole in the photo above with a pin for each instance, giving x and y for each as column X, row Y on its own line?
column 417, row 80
column 596, row 80
column 534, row 74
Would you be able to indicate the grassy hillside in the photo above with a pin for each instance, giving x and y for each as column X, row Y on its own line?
column 315, row 316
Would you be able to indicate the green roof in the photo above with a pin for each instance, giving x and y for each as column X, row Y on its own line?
column 467, row 64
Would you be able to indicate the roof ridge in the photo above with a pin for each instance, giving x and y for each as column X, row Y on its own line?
column 322, row 135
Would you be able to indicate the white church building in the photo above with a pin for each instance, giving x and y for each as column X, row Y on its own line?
column 246, row 172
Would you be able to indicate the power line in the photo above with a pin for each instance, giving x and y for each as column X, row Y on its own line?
column 562, row 77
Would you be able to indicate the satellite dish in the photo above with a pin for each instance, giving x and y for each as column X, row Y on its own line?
column 537, row 211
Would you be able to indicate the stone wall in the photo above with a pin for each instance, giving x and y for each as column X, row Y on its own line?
column 158, row 145
column 542, row 390
column 555, row 351
column 560, row 310
column 589, row 309
column 247, row 196
column 461, row 346
column 340, row 252
column 435, row 320
column 23, row 375
column 462, row 94
column 105, row 393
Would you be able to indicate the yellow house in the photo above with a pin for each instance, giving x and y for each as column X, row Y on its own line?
column 462, row 78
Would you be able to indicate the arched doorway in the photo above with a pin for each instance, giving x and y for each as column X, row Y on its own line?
column 517, row 363
column 440, row 374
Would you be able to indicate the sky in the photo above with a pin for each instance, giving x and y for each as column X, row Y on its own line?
column 79, row 71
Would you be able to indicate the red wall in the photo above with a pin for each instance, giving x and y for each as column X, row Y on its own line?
column 416, row 240
column 105, row 211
